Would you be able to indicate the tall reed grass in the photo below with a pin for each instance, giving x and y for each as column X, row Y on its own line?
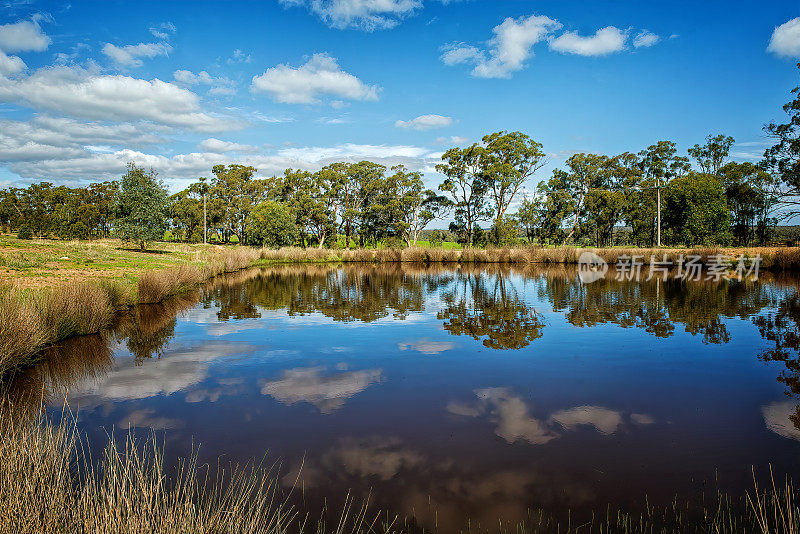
column 49, row 483
column 31, row 320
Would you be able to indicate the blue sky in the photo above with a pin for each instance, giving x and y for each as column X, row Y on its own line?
column 181, row 86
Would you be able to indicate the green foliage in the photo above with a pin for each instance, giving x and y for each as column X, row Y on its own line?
column 467, row 183
column 695, row 211
column 24, row 232
column 272, row 224
column 142, row 207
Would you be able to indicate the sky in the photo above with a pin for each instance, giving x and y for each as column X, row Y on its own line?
column 86, row 87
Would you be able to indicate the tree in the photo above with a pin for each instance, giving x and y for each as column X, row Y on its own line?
column 752, row 198
column 142, row 208
column 782, row 159
column 239, row 193
column 695, row 211
column 357, row 186
column 658, row 164
column 711, row 156
column 412, row 207
column 467, row 183
column 509, row 160
column 272, row 224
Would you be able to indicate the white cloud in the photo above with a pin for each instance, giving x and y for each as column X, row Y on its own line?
column 454, row 139
column 23, row 36
column 220, row 147
column 319, row 76
column 602, row 419
column 777, row 417
column 508, row 50
column 645, row 39
column 163, row 31
column 80, row 93
column 128, row 56
column 605, row 41
column 328, row 392
column 47, row 138
column 785, row 40
column 368, row 15
column 219, row 84
column 425, row 122
column 10, row 65
column 180, row 169
column 427, row 346
column 239, row 57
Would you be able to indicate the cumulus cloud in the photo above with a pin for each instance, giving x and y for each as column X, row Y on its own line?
column 220, row 147
column 508, row 50
column 367, row 15
column 80, row 93
column 23, row 36
column 175, row 371
column 785, row 40
column 327, row 391
column 602, row 419
column 219, row 85
column 515, row 423
column 605, row 41
column 319, row 76
column 777, row 418
column 425, row 122
column 427, row 346
column 645, row 39
column 128, row 56
column 10, row 65
column 180, row 169
column 239, row 56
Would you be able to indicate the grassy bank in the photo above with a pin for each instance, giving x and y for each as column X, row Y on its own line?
column 48, row 483
column 772, row 258
column 32, row 319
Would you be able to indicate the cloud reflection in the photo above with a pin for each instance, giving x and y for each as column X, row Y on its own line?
column 515, row 423
column 328, row 391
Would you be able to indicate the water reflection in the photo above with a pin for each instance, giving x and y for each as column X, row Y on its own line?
column 381, row 378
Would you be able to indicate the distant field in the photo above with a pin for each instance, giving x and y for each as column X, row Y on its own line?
column 43, row 262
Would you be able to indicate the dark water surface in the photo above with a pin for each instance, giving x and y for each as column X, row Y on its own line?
column 458, row 393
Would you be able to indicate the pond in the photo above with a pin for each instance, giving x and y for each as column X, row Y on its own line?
column 455, row 393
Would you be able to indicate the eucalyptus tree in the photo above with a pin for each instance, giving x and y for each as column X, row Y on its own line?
column 782, row 159
column 467, row 183
column 359, row 184
column 411, row 206
column 141, row 207
column 659, row 164
column 510, row 159
column 753, row 195
column 712, row 155
column 239, row 193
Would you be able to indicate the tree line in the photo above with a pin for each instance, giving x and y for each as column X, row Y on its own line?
column 702, row 198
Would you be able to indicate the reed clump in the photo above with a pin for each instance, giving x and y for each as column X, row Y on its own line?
column 48, row 483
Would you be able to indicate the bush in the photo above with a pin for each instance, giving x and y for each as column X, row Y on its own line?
column 272, row 224
column 24, row 232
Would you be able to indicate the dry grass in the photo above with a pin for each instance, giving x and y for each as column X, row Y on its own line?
column 48, row 483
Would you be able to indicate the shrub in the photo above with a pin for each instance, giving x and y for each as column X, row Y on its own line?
column 24, row 232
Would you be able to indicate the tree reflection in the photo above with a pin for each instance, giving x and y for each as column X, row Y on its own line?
column 656, row 306
column 492, row 308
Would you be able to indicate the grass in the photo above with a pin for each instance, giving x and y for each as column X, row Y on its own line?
column 30, row 320
column 50, row 483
